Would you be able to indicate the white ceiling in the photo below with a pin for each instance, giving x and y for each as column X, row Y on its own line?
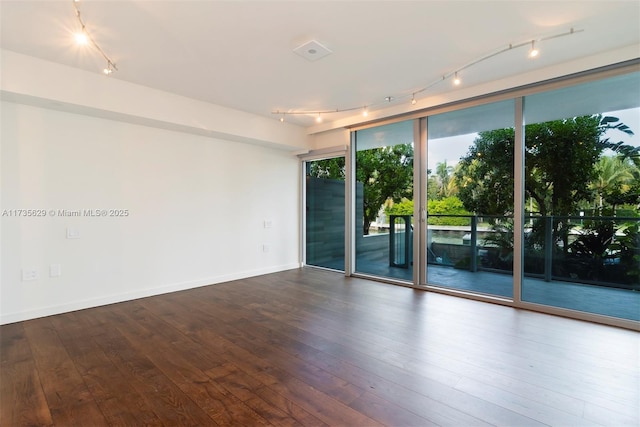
column 239, row 54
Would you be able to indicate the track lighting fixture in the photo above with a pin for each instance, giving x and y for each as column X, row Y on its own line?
column 534, row 52
column 83, row 37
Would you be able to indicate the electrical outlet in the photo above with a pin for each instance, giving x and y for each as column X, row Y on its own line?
column 73, row 233
column 266, row 248
column 268, row 223
column 29, row 274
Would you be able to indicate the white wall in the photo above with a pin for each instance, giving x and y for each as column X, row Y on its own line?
column 34, row 81
column 196, row 209
column 330, row 138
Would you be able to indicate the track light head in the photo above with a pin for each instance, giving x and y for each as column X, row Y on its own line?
column 83, row 37
column 534, row 51
column 456, row 80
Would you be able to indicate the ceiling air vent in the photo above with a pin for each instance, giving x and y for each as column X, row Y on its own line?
column 312, row 50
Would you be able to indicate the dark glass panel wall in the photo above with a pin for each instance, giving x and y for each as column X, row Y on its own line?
column 325, row 213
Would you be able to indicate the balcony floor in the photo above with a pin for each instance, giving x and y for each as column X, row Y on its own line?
column 607, row 301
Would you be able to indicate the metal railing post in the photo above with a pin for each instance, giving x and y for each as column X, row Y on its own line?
column 548, row 248
column 408, row 244
column 392, row 240
column 474, row 243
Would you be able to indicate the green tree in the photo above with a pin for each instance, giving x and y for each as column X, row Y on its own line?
column 432, row 187
column 447, row 206
column 405, row 207
column 560, row 160
column 327, row 168
column 614, row 180
column 485, row 174
column 385, row 173
column 443, row 172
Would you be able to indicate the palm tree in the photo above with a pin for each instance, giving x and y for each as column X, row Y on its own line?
column 613, row 174
column 443, row 172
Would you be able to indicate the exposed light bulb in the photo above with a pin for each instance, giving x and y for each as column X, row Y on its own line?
column 413, row 100
column 319, row 118
column 81, row 38
column 282, row 119
column 533, row 52
column 456, row 80
column 365, row 112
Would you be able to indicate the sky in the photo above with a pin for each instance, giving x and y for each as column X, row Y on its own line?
column 452, row 148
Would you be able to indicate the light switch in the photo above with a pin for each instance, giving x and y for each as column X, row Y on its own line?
column 55, row 270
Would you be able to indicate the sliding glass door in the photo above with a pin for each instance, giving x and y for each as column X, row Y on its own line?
column 532, row 199
column 470, row 156
column 384, row 201
column 582, row 189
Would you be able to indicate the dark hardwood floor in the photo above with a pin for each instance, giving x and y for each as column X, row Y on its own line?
column 313, row 348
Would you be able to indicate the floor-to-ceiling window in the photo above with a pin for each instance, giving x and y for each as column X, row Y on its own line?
column 384, row 201
column 469, row 193
column 325, row 213
column 582, row 197
column 533, row 198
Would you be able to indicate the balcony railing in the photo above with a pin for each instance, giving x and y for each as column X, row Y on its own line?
column 597, row 250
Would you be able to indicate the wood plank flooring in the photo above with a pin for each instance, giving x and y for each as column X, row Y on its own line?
column 313, row 348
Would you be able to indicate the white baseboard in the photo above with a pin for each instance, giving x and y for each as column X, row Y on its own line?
column 20, row 316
